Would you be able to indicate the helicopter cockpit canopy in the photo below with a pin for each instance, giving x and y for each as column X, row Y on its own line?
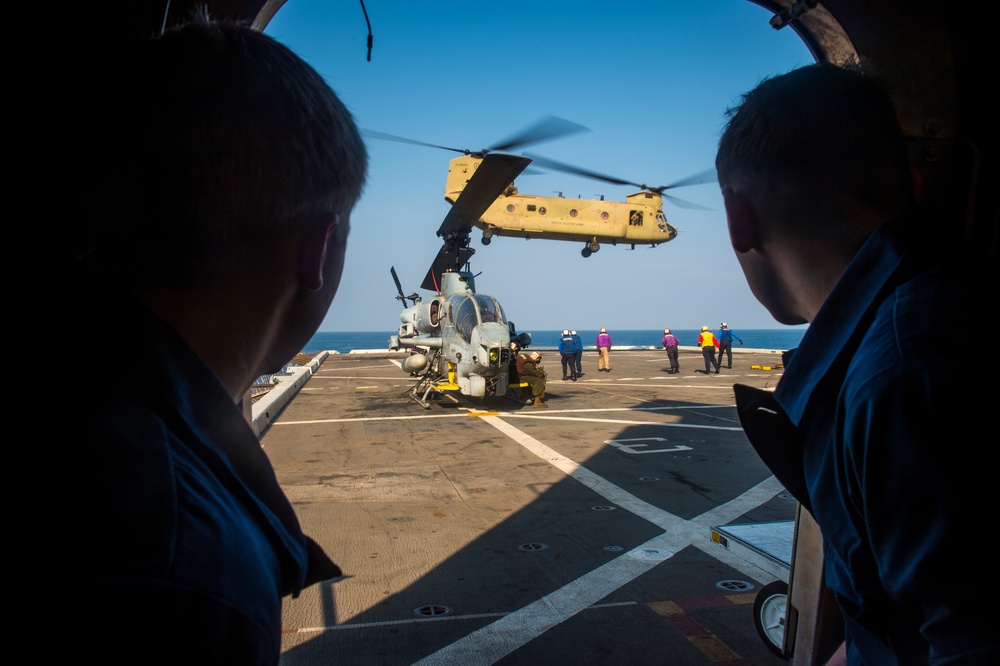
column 470, row 311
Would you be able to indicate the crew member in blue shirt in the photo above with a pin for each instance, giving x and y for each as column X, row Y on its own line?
column 725, row 338
column 577, row 353
column 567, row 352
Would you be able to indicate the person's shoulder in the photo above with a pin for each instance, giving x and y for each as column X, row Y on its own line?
column 114, row 483
column 942, row 294
column 914, row 323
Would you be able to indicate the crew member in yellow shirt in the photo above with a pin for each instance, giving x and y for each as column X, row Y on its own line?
column 708, row 343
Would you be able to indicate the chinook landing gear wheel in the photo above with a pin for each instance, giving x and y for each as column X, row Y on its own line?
column 594, row 247
column 769, row 616
column 586, row 252
column 487, row 237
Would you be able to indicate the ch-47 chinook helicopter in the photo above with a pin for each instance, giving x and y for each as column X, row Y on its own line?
column 461, row 338
column 639, row 220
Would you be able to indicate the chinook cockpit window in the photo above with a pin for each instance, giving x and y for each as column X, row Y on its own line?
column 661, row 223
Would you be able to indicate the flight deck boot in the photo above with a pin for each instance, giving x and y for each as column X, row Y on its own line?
column 538, row 402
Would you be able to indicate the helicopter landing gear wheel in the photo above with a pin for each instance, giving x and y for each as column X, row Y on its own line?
column 487, row 237
column 593, row 247
column 586, row 252
column 769, row 609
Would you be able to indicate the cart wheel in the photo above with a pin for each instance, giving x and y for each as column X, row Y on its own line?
column 769, row 615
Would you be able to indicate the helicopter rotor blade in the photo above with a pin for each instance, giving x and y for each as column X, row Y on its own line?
column 546, row 129
column 374, row 134
column 707, row 176
column 453, row 255
column 493, row 175
column 681, row 203
column 547, row 163
column 399, row 287
column 414, row 297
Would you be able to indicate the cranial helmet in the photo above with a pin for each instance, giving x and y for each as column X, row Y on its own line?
column 666, row 331
column 572, row 332
column 704, row 328
column 723, row 324
column 535, row 356
column 565, row 331
column 604, row 330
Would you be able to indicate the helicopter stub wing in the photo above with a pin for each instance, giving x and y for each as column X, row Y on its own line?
column 494, row 174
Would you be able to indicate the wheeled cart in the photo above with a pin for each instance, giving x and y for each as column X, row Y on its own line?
column 769, row 547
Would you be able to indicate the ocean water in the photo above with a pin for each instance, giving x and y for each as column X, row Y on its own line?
column 753, row 338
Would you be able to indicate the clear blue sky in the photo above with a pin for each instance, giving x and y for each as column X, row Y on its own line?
column 650, row 80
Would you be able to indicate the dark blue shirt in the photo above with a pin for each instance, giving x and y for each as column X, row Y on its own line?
column 181, row 542
column 869, row 428
column 727, row 335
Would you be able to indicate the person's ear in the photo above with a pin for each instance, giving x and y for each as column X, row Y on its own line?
column 744, row 225
column 314, row 253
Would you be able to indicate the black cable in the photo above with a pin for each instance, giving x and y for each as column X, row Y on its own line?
column 369, row 30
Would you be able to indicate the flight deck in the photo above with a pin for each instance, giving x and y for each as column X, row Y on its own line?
column 487, row 531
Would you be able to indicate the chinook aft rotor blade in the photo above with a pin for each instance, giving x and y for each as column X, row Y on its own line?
column 707, row 176
column 400, row 139
column 493, row 175
column 547, row 163
column 546, row 129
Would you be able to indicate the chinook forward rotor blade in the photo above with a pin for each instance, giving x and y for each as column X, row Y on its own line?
column 546, row 129
column 374, row 134
column 494, row 174
column 706, row 176
column 681, row 203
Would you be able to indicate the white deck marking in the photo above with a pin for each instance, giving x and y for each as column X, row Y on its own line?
column 551, row 417
column 547, row 415
column 496, row 640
